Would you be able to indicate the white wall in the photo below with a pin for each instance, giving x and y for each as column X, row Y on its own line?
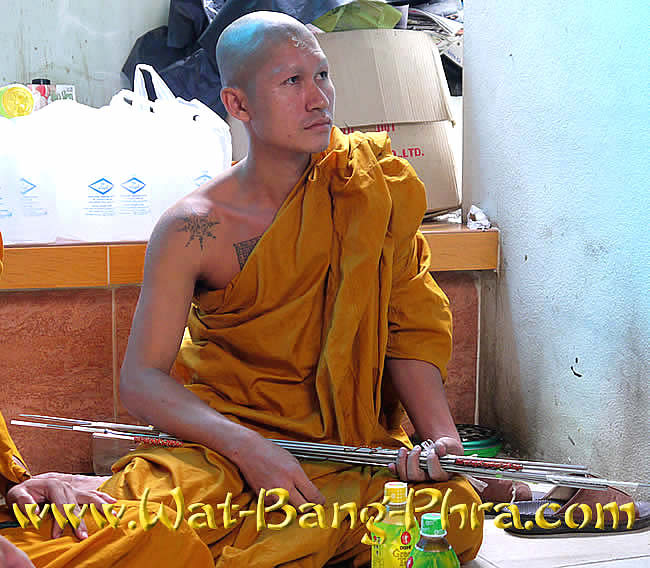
column 78, row 42
column 556, row 152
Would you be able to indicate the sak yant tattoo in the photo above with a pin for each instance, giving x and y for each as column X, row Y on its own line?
column 244, row 250
column 199, row 228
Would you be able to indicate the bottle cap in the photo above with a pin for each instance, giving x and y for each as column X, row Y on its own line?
column 397, row 491
column 41, row 82
column 16, row 100
column 431, row 525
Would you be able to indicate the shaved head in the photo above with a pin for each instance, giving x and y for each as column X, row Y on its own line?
column 244, row 45
column 276, row 81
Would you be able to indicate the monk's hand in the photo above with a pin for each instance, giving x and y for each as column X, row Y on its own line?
column 12, row 557
column 60, row 489
column 268, row 466
column 407, row 465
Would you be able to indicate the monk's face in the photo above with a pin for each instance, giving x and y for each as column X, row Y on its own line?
column 292, row 102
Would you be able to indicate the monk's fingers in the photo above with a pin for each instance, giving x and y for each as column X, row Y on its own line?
column 401, row 464
column 414, row 471
column 61, row 494
column 434, row 470
column 309, row 491
column 86, row 497
column 448, row 446
column 87, row 482
column 58, row 496
column 20, row 496
column 296, row 498
column 81, row 531
column 441, row 448
column 99, row 498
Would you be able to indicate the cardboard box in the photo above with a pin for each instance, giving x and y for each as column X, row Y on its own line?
column 392, row 80
column 426, row 147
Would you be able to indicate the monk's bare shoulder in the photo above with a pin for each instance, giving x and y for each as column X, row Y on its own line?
column 197, row 227
column 191, row 221
column 196, row 220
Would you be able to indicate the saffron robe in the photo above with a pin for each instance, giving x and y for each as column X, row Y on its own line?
column 294, row 348
column 10, row 459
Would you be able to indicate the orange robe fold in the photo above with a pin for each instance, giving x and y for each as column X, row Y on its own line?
column 10, row 459
column 11, row 462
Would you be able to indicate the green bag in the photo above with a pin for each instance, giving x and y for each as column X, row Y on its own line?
column 359, row 15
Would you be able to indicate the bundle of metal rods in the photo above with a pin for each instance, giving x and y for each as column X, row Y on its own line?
column 541, row 472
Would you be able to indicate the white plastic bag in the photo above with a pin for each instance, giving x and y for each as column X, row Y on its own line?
column 27, row 192
column 8, row 187
column 107, row 174
column 197, row 138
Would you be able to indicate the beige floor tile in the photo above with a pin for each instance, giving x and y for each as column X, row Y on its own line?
column 508, row 551
column 638, row 562
column 479, row 562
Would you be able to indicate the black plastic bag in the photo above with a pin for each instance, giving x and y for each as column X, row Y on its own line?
column 194, row 73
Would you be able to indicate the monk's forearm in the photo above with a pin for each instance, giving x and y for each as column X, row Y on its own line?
column 156, row 398
column 420, row 389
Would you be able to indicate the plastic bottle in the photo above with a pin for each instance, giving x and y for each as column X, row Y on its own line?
column 398, row 543
column 432, row 550
column 42, row 89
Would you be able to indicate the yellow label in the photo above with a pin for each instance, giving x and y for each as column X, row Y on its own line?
column 397, row 547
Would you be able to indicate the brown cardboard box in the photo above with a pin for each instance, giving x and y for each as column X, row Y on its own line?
column 426, row 146
column 392, row 80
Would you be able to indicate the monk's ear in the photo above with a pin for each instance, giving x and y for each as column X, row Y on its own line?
column 236, row 103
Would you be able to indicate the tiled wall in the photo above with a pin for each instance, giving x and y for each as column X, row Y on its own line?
column 62, row 350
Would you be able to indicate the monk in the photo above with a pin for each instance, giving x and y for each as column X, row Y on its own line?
column 312, row 316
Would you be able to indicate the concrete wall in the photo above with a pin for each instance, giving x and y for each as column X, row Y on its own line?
column 76, row 42
column 556, row 152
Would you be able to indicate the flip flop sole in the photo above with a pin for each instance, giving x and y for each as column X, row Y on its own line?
column 527, row 510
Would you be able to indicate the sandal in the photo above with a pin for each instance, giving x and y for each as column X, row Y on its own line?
column 575, row 504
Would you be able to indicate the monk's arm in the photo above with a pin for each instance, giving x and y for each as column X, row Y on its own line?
column 420, row 332
column 172, row 266
column 420, row 389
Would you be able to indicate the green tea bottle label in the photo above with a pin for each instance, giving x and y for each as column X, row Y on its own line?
column 396, row 548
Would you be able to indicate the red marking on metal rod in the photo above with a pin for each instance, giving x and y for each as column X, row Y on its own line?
column 158, row 442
